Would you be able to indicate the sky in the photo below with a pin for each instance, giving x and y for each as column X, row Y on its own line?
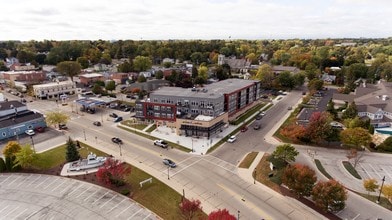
column 194, row 19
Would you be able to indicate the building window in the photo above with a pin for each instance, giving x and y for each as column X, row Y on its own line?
column 156, row 107
column 30, row 127
column 4, row 134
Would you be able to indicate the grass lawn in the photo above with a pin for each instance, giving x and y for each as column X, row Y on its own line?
column 262, row 173
column 351, row 169
column 156, row 196
column 384, row 202
column 321, row 169
column 248, row 160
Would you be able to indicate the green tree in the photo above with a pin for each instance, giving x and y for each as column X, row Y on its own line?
column 299, row 79
column 142, row 63
column 265, row 75
column 83, row 61
column 159, row 74
column 97, row 89
column 311, row 71
column 53, row 118
column 356, row 137
column 331, row 109
column 386, row 145
column 197, row 58
column 110, row 85
column 315, row 84
column 72, row 154
column 125, row 67
column 329, row 195
column 370, row 185
column 285, row 152
column 141, row 78
column 351, row 111
column 25, row 157
column 69, row 68
column 167, row 64
column 194, row 72
column 286, row 80
column 3, row 167
column 300, row 179
column 203, row 72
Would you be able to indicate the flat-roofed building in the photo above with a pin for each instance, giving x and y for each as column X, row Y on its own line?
column 88, row 79
column 28, row 77
column 199, row 111
column 54, row 89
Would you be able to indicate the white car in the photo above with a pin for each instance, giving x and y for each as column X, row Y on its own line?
column 232, row 139
column 30, row 132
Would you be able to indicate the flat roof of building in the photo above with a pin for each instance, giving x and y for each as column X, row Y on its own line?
column 53, row 84
column 213, row 90
column 204, row 118
column 9, row 104
column 91, row 75
column 19, row 118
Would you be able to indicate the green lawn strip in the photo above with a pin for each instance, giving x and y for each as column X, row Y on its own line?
column 248, row 160
column 171, row 144
column 321, row 169
column 158, row 197
column 152, row 128
column 56, row 156
column 131, row 124
column 247, row 114
column 351, row 169
column 384, row 202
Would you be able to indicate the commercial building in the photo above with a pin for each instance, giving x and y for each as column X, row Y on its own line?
column 15, row 119
column 199, row 111
column 89, row 79
column 54, row 89
column 28, row 77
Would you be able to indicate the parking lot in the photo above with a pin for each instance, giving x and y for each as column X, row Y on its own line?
column 35, row 196
column 375, row 171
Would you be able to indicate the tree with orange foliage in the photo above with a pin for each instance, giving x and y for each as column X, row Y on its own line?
column 300, row 179
column 318, row 127
column 294, row 132
column 329, row 195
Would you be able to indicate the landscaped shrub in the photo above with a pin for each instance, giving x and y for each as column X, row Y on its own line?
column 2, row 165
column 125, row 192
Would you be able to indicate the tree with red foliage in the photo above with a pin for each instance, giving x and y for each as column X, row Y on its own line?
column 318, row 127
column 113, row 171
column 221, row 214
column 189, row 208
column 300, row 179
column 329, row 195
column 294, row 132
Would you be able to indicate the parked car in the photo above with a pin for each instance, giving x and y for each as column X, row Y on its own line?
column 40, row 129
column 259, row 116
column 97, row 123
column 113, row 115
column 289, row 108
column 30, row 132
column 118, row 119
column 244, row 128
column 160, row 143
column 63, row 127
column 116, row 140
column 169, row 163
column 232, row 139
column 127, row 109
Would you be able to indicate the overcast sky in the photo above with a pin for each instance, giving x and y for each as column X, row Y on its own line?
column 193, row 19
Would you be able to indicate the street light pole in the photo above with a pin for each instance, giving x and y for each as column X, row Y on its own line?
column 192, row 143
column 254, row 176
column 238, row 215
column 168, row 176
column 32, row 142
column 119, row 145
column 84, row 133
column 379, row 195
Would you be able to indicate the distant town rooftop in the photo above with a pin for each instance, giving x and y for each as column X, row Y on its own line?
column 60, row 83
column 91, row 75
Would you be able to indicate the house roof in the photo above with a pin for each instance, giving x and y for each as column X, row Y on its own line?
column 19, row 118
column 281, row 68
column 9, row 104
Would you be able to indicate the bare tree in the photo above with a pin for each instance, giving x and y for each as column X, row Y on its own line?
column 355, row 156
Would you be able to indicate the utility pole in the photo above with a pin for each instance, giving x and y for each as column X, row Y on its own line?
column 379, row 195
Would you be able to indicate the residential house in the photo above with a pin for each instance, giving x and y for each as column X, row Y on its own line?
column 373, row 102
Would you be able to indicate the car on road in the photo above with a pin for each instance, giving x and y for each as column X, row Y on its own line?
column 259, row 117
column 232, row 139
column 63, row 127
column 116, row 140
column 262, row 113
column 113, row 115
column 257, row 126
column 30, row 132
column 118, row 119
column 289, row 108
column 169, row 163
column 244, row 128
column 161, row 143
column 97, row 123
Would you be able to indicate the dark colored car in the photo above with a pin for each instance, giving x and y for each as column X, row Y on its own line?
column 40, row 129
column 97, row 123
column 113, row 115
column 169, row 163
column 63, row 127
column 116, row 140
column 118, row 119
column 259, row 116
column 243, row 129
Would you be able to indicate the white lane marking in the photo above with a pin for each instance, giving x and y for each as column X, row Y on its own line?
column 90, row 195
column 39, row 176
column 36, row 186
column 10, row 212
column 51, row 183
column 116, row 205
column 135, row 213
column 124, row 210
column 100, row 197
column 108, row 201
column 5, row 179
column 26, row 178
column 20, row 213
column 83, row 192
column 16, row 178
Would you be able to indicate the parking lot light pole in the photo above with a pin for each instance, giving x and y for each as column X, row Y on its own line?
column 84, row 133
column 238, row 215
column 168, row 176
column 254, row 176
column 379, row 195
column 32, row 143
column 119, row 145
